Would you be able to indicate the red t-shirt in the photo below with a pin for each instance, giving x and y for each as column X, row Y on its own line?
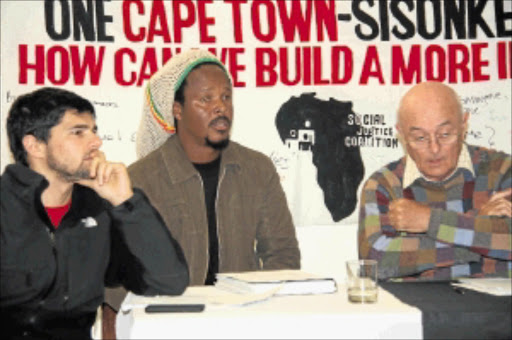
column 57, row 213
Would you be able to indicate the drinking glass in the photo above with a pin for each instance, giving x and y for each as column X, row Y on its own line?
column 362, row 281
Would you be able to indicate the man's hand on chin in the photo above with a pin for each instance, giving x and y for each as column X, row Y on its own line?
column 109, row 180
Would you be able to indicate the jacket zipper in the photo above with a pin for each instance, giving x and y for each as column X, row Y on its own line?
column 51, row 236
column 217, row 213
column 208, row 243
column 53, row 241
column 216, row 218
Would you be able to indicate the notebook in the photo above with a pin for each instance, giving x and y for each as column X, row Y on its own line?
column 287, row 282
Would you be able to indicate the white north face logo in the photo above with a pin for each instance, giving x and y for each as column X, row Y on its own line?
column 89, row 222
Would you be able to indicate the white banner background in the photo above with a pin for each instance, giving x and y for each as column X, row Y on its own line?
column 239, row 29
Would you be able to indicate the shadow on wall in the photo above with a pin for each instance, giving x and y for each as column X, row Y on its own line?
column 306, row 124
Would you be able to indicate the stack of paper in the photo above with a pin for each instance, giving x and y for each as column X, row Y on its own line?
column 133, row 301
column 207, row 295
column 284, row 282
column 494, row 286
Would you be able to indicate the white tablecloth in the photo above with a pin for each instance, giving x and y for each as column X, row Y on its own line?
column 294, row 317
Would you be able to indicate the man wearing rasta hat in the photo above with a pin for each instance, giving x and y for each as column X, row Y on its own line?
column 222, row 201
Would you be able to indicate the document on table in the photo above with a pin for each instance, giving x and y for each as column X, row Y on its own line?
column 211, row 301
column 284, row 282
column 495, row 286
column 133, row 301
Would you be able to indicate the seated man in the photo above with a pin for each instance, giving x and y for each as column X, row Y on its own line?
column 71, row 224
column 222, row 201
column 443, row 211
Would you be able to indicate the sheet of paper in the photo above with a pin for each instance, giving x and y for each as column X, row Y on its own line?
column 138, row 301
column 293, row 282
column 494, row 286
column 234, row 299
column 216, row 300
column 272, row 276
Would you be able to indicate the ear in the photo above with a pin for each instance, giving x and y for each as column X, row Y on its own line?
column 401, row 138
column 465, row 118
column 34, row 147
column 399, row 131
column 177, row 110
column 465, row 122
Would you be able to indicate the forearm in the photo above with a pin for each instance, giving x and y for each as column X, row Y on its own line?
column 277, row 242
column 278, row 247
column 444, row 244
column 486, row 235
column 409, row 254
column 398, row 253
column 479, row 229
column 160, row 264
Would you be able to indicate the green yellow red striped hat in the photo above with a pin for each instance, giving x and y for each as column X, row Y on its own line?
column 157, row 121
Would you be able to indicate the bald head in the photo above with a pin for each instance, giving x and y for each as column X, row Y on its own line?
column 427, row 97
column 432, row 125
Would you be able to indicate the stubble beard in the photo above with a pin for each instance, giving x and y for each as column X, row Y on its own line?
column 64, row 172
column 219, row 145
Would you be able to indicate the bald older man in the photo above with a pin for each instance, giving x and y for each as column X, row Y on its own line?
column 442, row 211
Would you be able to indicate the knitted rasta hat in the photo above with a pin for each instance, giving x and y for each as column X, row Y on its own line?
column 157, row 122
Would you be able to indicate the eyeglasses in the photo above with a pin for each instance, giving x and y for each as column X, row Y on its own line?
column 422, row 141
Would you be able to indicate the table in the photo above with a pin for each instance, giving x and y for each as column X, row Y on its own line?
column 451, row 314
column 321, row 316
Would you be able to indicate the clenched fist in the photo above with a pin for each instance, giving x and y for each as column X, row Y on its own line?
column 408, row 215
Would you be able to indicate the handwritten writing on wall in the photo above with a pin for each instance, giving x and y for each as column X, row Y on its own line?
column 490, row 125
column 363, row 51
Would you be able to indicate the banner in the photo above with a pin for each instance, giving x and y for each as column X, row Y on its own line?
column 317, row 83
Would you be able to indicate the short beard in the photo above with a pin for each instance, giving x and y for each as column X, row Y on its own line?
column 66, row 174
column 220, row 145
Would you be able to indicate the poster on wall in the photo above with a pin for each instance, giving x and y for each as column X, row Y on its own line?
column 317, row 83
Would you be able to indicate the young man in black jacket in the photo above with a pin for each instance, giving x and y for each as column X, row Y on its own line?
column 71, row 223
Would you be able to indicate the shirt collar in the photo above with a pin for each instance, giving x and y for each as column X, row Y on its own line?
column 180, row 168
column 412, row 173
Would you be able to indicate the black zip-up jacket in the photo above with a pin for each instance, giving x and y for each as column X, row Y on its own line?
column 52, row 280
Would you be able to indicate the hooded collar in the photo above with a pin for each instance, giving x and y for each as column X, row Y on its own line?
column 24, row 181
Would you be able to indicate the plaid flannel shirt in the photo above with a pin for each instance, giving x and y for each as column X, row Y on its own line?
column 458, row 242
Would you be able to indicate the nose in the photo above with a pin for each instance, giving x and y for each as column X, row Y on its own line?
column 220, row 107
column 434, row 145
column 96, row 141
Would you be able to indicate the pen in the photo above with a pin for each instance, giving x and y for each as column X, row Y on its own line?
column 177, row 308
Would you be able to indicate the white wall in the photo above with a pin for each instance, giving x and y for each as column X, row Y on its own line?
column 325, row 244
column 325, row 249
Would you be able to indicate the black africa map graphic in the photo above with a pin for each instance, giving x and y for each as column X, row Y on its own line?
column 307, row 123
